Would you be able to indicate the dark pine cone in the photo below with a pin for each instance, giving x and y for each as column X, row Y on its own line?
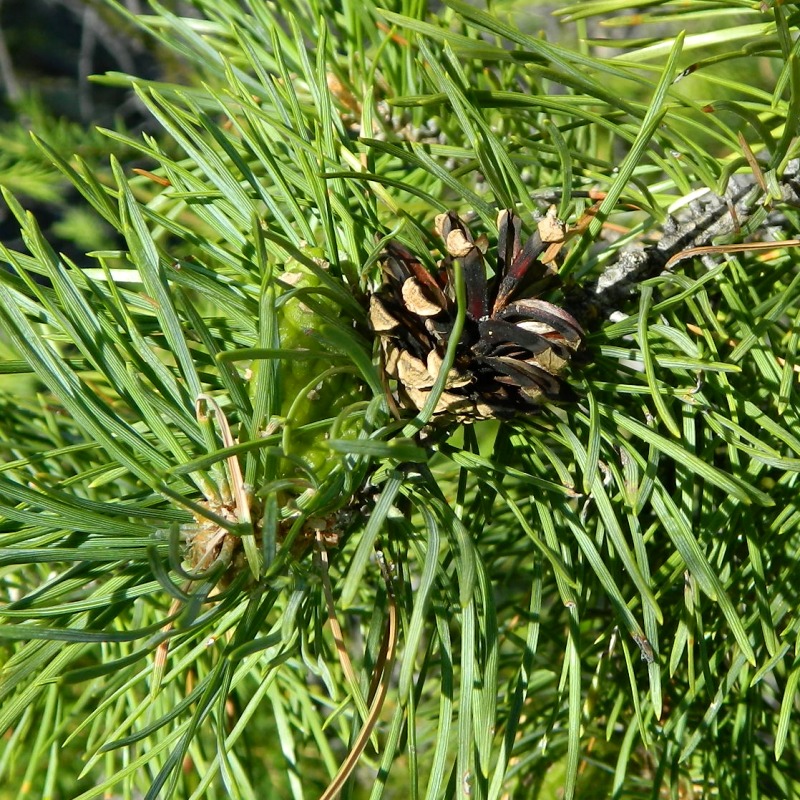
column 512, row 352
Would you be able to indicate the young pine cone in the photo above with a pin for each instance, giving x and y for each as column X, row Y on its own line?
column 512, row 352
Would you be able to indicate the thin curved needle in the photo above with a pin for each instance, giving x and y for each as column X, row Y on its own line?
column 387, row 655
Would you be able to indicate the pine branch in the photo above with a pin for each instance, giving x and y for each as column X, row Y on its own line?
column 697, row 225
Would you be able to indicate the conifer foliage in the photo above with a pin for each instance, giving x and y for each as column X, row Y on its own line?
column 428, row 425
